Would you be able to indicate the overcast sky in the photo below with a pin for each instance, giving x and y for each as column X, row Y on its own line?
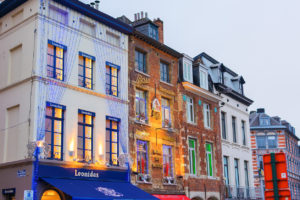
column 258, row 39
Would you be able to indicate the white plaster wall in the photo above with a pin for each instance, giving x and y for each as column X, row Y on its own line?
column 237, row 150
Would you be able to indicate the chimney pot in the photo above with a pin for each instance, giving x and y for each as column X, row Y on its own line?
column 138, row 16
column 146, row 15
column 135, row 17
column 260, row 110
column 142, row 14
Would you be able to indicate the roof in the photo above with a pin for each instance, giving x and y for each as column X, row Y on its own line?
column 142, row 21
column 78, row 6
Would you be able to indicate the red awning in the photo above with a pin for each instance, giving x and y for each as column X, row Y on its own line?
column 171, row 197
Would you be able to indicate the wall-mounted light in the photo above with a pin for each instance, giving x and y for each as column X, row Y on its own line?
column 101, row 156
column 71, row 148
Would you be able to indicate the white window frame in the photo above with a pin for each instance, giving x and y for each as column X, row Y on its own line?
column 206, row 116
column 189, row 104
column 203, row 82
column 188, row 71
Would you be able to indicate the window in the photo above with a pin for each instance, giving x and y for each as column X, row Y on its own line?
column 226, row 173
column 16, row 57
column 55, row 61
column 223, row 121
column 203, row 79
column 244, row 132
column 142, row 157
column 166, row 112
column 272, row 142
column 234, row 129
column 264, row 121
column 190, row 110
column 246, row 174
column 87, row 27
column 261, row 142
column 54, row 130
column 113, row 39
column 153, row 32
column 112, row 140
column 164, row 72
column 236, row 170
column 140, row 106
column 85, row 136
column 209, row 159
column 192, row 156
column 206, row 114
column 167, row 161
column 112, row 79
column 188, row 72
column 140, row 61
column 85, row 70
column 58, row 14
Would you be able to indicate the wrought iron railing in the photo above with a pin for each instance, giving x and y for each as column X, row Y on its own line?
column 233, row 192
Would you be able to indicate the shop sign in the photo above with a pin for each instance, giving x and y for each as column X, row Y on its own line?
column 140, row 80
column 142, row 133
column 155, row 105
column 156, row 159
column 10, row 191
column 21, row 173
column 86, row 174
column 28, row 194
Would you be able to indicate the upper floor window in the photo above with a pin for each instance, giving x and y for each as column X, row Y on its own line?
column 142, row 157
column 153, row 32
column 261, row 142
column 55, row 60
column 54, row 130
column 188, row 71
column 272, row 142
column 223, row 123
column 112, row 79
column 85, row 136
column 164, row 72
column 190, row 110
column 85, row 70
column 226, row 171
column 203, row 79
column 192, row 156
column 140, row 106
column 246, row 174
column 234, row 129
column 236, row 171
column 112, row 140
column 58, row 14
column 244, row 132
column 206, row 114
column 166, row 112
column 209, row 159
column 113, row 38
column 167, row 161
column 264, row 142
column 265, row 121
column 140, row 61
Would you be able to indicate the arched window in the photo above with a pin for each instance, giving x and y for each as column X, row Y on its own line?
column 50, row 195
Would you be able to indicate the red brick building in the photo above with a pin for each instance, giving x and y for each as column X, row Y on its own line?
column 199, row 132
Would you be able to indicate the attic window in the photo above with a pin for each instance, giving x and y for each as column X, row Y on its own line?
column 87, row 27
column 113, row 38
column 58, row 14
column 203, row 78
column 264, row 121
column 153, row 32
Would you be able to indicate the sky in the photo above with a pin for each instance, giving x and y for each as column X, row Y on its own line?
column 258, row 39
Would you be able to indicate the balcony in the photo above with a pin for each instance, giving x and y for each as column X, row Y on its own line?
column 245, row 193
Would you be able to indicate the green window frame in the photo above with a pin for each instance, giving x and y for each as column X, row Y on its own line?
column 209, row 159
column 192, row 156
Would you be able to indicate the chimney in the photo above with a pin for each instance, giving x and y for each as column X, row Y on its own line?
column 160, row 25
column 135, row 17
column 260, row 110
column 97, row 4
column 92, row 4
column 138, row 16
column 142, row 14
column 146, row 15
column 277, row 118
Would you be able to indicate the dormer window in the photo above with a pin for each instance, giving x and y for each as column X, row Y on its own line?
column 153, row 32
column 188, row 71
column 203, row 78
column 264, row 121
column 241, row 88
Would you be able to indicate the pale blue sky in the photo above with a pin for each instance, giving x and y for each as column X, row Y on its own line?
column 259, row 39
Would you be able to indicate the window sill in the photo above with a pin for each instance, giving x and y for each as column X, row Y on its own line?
column 142, row 182
column 211, row 177
column 170, row 184
column 141, row 123
column 143, row 73
column 192, row 123
column 169, row 84
column 168, row 129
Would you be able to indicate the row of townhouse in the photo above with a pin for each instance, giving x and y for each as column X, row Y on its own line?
column 82, row 94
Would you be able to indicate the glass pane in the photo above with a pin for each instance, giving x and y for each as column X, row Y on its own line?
column 59, row 74
column 58, row 113
column 80, row 118
column 114, row 81
column 107, row 123
column 80, row 60
column 114, row 159
column 80, row 70
column 191, row 143
column 80, row 142
column 48, row 138
column 50, row 72
column 48, row 125
column 88, row 83
column 114, row 136
column 114, row 71
column 57, row 139
column 57, row 152
column 50, row 49
column 80, row 130
column 59, row 63
column 57, row 126
column 50, row 60
column 114, row 91
column 114, row 125
column 114, row 147
column 88, row 73
column 88, row 63
column 59, row 52
column 80, row 154
column 88, row 144
column 88, row 155
column 107, row 70
column 49, row 111
column 88, row 132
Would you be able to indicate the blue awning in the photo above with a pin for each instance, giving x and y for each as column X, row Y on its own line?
column 98, row 190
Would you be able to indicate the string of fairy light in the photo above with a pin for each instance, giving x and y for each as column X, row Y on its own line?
column 71, row 37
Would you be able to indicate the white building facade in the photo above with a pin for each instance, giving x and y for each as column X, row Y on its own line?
column 235, row 130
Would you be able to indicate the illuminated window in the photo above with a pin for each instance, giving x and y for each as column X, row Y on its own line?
column 112, row 140
column 85, row 136
column 166, row 112
column 167, row 161
column 112, row 79
column 140, row 106
column 54, row 130
column 142, row 157
column 50, row 195
column 209, row 159
column 55, row 61
column 192, row 156
column 85, row 71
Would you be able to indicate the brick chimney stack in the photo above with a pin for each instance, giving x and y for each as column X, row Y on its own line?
column 160, row 25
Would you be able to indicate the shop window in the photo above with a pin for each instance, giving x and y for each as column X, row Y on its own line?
column 50, row 195
column 142, row 161
column 166, row 113
column 112, row 76
column 168, row 165
column 140, row 106
column 55, row 60
column 112, row 140
column 54, row 130
column 85, row 70
column 192, row 156
column 85, row 136
column 209, row 159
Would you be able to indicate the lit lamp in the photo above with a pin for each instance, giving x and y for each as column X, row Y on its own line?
column 71, row 149
column 101, row 156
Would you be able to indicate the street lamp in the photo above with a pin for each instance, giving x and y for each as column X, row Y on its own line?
column 37, row 150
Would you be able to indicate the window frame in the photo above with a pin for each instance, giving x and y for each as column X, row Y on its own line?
column 138, row 99
column 188, row 71
column 234, row 132
column 137, row 54
column 110, row 130
column 206, row 115
column 243, row 126
column 246, row 168
column 84, row 67
column 209, row 165
column 146, row 156
column 223, row 125
column 205, row 81
column 165, row 74
column 52, row 119
column 84, row 125
column 236, row 172
column 193, row 161
column 163, row 108
column 109, row 85
column 56, row 46
column 170, row 156
column 226, row 169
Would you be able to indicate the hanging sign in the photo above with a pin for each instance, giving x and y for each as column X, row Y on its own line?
column 10, row 191
column 155, row 105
